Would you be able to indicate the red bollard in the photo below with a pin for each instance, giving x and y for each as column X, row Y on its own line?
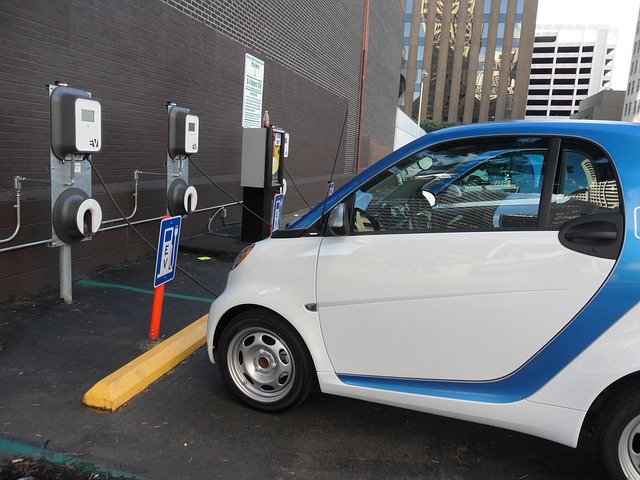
column 156, row 312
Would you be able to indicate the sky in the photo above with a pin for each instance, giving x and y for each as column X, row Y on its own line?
column 621, row 14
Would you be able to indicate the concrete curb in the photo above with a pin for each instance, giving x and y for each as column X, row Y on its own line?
column 113, row 391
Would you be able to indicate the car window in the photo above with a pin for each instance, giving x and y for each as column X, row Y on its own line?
column 502, row 191
column 488, row 184
column 585, row 184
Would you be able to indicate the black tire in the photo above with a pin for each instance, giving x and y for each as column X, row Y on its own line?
column 265, row 361
column 618, row 436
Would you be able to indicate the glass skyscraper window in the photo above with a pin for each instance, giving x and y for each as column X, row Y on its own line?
column 476, row 56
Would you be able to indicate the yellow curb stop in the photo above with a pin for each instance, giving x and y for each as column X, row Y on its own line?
column 115, row 390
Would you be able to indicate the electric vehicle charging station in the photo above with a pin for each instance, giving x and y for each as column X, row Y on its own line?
column 184, row 130
column 76, row 133
column 261, row 176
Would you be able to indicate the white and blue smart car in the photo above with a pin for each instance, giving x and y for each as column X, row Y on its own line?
column 489, row 273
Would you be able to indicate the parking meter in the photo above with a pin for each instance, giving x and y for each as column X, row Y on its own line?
column 261, row 175
column 263, row 153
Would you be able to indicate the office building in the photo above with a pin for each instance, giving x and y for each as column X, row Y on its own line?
column 467, row 61
column 604, row 105
column 569, row 64
column 631, row 109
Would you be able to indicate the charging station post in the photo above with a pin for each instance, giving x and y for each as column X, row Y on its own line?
column 76, row 133
column 183, row 136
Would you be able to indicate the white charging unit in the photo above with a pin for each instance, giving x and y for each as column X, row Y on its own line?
column 88, row 125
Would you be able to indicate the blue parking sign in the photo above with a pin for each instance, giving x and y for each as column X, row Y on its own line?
column 276, row 215
column 167, row 250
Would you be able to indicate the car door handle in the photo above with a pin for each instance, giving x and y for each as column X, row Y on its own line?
column 597, row 235
column 594, row 233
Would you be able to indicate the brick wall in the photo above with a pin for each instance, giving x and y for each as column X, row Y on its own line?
column 134, row 57
column 321, row 41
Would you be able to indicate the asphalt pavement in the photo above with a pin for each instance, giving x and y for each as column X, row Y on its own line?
column 189, row 424
column 52, row 353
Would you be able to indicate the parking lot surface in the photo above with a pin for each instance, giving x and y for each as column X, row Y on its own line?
column 189, row 425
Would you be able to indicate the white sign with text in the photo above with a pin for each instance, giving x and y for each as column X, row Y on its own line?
column 253, row 86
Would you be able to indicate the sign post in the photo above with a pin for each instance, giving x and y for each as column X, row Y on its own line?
column 165, row 268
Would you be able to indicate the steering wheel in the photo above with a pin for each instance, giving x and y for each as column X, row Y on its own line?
column 475, row 180
column 578, row 192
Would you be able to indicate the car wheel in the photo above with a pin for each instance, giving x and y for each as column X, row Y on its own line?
column 265, row 361
column 619, row 436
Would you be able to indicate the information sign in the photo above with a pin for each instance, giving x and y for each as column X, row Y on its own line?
column 253, row 86
column 167, row 250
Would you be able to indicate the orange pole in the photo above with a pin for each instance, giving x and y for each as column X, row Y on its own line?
column 156, row 312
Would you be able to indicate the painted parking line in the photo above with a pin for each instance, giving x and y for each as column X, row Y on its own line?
column 118, row 388
column 23, row 450
column 93, row 283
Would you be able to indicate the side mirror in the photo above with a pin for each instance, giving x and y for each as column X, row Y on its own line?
column 338, row 220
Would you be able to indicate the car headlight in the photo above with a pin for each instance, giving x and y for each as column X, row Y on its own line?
column 242, row 255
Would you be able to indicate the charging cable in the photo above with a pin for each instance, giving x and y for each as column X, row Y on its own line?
column 333, row 170
column 115, row 204
column 284, row 164
column 213, row 182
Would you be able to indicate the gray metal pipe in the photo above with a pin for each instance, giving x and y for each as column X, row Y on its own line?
column 65, row 274
column 43, row 242
column 17, row 182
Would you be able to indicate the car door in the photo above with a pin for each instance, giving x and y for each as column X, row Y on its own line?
column 449, row 277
